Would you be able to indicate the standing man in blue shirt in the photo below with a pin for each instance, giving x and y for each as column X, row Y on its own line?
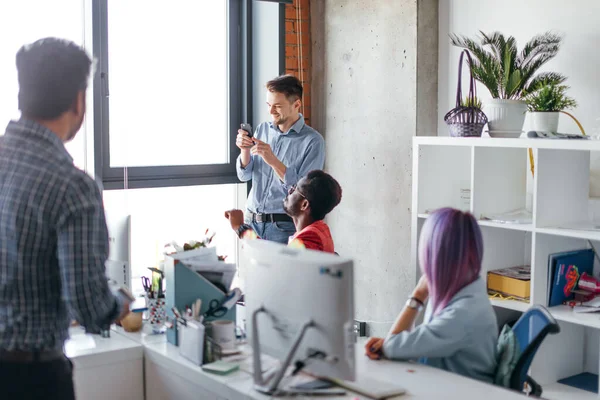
column 53, row 236
column 276, row 157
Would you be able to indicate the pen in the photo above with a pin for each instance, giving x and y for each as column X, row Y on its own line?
column 196, row 309
column 176, row 312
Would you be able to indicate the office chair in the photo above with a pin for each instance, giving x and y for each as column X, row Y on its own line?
column 530, row 330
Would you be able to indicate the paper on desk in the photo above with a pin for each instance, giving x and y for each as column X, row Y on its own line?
column 218, row 272
column 205, row 261
column 266, row 363
column 206, row 254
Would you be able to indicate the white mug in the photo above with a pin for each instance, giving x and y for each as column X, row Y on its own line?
column 223, row 332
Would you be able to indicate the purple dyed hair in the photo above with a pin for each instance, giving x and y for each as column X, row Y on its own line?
column 450, row 254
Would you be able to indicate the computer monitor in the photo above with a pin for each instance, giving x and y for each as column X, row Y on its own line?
column 118, row 265
column 288, row 291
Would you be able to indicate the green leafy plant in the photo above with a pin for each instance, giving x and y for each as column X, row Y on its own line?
column 506, row 72
column 467, row 102
column 550, row 98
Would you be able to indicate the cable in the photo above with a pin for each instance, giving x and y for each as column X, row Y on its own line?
column 300, row 364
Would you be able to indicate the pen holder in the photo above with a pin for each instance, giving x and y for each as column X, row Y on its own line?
column 191, row 341
column 156, row 313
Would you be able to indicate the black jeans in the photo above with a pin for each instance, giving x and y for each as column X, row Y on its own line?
column 46, row 380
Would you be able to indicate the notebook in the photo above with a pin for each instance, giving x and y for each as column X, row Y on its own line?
column 220, row 367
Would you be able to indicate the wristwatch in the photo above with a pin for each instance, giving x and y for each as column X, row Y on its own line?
column 243, row 228
column 414, row 303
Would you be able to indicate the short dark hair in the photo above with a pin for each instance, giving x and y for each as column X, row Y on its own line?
column 289, row 85
column 51, row 73
column 323, row 192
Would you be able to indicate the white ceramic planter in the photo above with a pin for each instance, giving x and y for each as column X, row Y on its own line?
column 545, row 121
column 505, row 117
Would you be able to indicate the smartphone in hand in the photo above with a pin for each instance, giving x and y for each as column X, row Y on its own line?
column 248, row 128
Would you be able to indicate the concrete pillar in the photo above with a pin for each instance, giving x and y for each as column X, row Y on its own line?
column 374, row 88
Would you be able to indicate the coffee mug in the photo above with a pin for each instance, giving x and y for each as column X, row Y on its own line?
column 223, row 333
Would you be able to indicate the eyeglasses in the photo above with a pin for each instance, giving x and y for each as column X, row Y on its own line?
column 293, row 189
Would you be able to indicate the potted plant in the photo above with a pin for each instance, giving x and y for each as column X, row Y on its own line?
column 545, row 106
column 510, row 75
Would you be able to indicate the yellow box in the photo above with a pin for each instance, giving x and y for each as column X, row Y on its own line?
column 513, row 281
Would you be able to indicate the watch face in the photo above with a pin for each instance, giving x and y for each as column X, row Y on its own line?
column 412, row 303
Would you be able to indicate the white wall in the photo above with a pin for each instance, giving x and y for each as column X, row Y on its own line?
column 578, row 59
column 265, row 55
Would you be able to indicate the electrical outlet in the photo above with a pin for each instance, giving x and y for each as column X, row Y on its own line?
column 360, row 328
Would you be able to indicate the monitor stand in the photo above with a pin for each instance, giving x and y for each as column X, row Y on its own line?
column 270, row 384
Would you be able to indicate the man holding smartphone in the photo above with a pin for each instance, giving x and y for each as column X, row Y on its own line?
column 278, row 154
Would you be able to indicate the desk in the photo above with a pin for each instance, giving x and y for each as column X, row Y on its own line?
column 113, row 368
column 170, row 376
column 106, row 368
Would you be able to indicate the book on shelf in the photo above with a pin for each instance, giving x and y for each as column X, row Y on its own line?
column 513, row 281
column 564, row 270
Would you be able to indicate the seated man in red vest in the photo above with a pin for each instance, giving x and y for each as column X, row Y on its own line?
column 307, row 203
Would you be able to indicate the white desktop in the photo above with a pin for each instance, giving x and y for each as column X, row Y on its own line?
column 300, row 307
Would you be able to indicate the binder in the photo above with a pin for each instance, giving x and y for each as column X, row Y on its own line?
column 184, row 286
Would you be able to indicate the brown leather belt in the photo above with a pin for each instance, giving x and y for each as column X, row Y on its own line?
column 270, row 217
column 20, row 356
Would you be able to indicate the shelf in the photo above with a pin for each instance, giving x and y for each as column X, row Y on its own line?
column 510, row 304
column 592, row 145
column 556, row 391
column 574, row 233
column 491, row 177
column 566, row 314
column 515, row 227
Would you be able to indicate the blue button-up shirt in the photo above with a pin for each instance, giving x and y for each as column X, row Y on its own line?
column 301, row 149
column 53, row 243
column 461, row 338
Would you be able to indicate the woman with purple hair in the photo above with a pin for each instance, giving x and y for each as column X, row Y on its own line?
column 459, row 330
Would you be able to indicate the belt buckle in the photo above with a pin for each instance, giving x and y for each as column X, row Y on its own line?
column 258, row 217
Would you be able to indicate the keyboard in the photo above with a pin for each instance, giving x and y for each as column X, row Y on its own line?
column 372, row 388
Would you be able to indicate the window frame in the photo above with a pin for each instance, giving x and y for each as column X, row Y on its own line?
column 239, row 66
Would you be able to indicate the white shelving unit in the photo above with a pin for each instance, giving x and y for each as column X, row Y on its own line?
column 488, row 176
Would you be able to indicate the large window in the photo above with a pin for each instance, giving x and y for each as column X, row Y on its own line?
column 161, row 215
column 25, row 21
column 168, row 99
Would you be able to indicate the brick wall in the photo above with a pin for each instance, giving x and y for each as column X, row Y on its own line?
column 297, row 48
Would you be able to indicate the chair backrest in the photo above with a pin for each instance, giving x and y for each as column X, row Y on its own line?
column 530, row 330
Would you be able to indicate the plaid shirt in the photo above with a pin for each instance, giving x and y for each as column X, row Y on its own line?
column 53, row 243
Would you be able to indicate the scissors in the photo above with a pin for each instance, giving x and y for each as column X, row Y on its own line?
column 215, row 309
column 146, row 284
